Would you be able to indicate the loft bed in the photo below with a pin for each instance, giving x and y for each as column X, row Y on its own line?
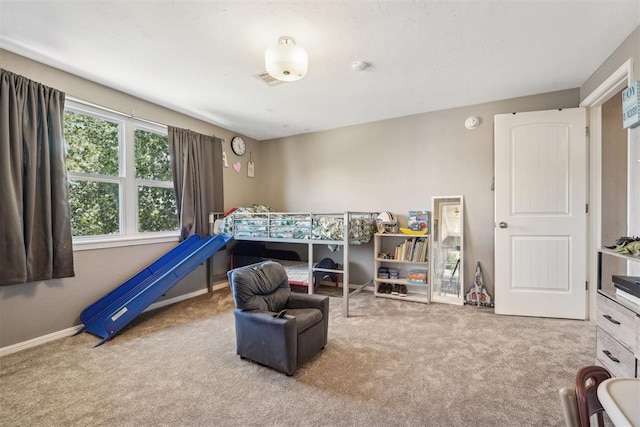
column 258, row 223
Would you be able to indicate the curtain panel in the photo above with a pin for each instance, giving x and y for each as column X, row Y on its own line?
column 35, row 226
column 196, row 161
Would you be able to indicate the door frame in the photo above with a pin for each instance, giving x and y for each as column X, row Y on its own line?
column 619, row 79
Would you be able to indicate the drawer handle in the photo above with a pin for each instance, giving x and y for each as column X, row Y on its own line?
column 610, row 319
column 610, row 356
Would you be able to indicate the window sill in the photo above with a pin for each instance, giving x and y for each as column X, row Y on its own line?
column 91, row 243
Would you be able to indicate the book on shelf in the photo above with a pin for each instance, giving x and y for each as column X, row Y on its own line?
column 412, row 250
column 418, row 221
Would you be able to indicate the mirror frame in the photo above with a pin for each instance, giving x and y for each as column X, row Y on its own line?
column 438, row 203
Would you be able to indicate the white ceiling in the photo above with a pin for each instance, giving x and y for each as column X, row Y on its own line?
column 200, row 57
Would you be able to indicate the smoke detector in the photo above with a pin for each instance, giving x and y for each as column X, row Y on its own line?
column 472, row 122
column 359, row 65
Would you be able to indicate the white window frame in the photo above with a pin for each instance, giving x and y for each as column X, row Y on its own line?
column 127, row 181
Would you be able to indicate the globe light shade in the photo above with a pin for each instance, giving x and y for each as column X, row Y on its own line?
column 285, row 61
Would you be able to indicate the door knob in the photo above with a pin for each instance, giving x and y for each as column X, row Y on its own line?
column 503, row 225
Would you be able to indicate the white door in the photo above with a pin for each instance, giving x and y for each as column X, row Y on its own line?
column 540, row 213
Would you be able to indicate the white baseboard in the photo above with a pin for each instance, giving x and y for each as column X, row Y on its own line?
column 39, row 340
column 74, row 329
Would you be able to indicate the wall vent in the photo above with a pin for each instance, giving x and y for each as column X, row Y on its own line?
column 267, row 79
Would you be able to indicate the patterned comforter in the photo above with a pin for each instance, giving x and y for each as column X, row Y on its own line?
column 259, row 221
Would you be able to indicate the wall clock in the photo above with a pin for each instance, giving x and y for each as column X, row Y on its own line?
column 238, row 146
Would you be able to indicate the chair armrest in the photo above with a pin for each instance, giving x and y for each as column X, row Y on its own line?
column 312, row 301
column 267, row 339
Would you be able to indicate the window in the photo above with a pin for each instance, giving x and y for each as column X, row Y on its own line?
column 156, row 197
column 120, row 181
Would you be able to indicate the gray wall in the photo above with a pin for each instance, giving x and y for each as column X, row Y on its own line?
column 394, row 165
column 398, row 165
column 31, row 310
column 630, row 48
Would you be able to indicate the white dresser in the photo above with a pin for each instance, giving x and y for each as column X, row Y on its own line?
column 618, row 330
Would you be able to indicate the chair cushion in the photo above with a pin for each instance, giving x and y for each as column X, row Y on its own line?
column 263, row 286
column 305, row 317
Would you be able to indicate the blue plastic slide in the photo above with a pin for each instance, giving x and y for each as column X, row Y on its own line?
column 108, row 315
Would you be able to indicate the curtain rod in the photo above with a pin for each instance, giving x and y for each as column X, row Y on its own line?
column 111, row 110
column 120, row 113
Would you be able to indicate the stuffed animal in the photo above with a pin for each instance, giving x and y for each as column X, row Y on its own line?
column 630, row 248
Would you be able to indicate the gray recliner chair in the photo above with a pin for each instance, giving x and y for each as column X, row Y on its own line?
column 275, row 327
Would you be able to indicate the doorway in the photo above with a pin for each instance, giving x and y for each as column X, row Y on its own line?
column 598, row 234
column 614, row 186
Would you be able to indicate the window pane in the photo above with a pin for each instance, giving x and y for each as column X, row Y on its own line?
column 92, row 144
column 157, row 209
column 152, row 156
column 94, row 208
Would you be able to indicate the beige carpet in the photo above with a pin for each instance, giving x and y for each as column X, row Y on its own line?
column 391, row 363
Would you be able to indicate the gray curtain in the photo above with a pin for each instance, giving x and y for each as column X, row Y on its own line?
column 196, row 162
column 35, row 227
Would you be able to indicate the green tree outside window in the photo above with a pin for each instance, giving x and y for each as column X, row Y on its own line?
column 97, row 183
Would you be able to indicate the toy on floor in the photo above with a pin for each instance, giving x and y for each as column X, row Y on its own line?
column 478, row 293
column 112, row 312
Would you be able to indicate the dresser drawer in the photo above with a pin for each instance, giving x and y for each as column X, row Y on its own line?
column 619, row 360
column 618, row 321
column 637, row 329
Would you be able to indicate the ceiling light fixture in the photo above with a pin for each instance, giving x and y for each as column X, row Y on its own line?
column 286, row 61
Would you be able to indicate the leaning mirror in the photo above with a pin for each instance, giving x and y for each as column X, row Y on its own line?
column 447, row 249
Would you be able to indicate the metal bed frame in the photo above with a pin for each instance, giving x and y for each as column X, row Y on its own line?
column 272, row 227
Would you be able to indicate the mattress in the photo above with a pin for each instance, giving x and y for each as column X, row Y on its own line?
column 297, row 271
